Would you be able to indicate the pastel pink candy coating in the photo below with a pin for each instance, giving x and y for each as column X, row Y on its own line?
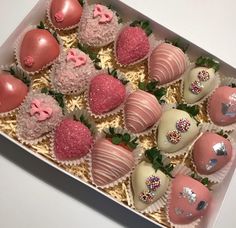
column 110, row 162
column 222, row 106
column 203, row 152
column 12, row 92
column 142, row 111
column 65, row 13
column 132, row 45
column 166, row 63
column 181, row 209
column 105, row 93
column 73, row 140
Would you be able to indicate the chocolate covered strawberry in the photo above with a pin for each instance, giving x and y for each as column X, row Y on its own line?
column 65, row 14
column 112, row 158
column 12, row 92
column 72, row 140
column 132, row 44
column 211, row 152
column 222, row 106
column 188, row 201
column 106, row 93
column 37, row 50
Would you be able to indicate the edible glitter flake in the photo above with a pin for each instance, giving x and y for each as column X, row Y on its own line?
column 173, row 136
column 196, row 87
column 211, row 164
column 153, row 183
column 220, row 149
column 183, row 125
column 203, row 76
column 189, row 195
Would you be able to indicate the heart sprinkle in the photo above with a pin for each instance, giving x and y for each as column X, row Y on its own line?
column 183, row 125
column 173, row 136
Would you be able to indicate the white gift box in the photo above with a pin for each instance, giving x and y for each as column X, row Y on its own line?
column 38, row 12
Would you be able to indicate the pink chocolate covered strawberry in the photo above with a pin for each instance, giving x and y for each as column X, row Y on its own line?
column 211, row 152
column 132, row 44
column 188, row 200
column 12, row 92
column 222, row 106
column 72, row 140
column 106, row 93
column 37, row 50
column 65, row 14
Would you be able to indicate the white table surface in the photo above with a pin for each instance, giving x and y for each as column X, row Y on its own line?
column 32, row 194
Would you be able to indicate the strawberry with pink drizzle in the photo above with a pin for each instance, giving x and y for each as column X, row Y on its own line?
column 65, row 14
column 166, row 63
column 38, row 115
column 132, row 44
column 72, row 140
column 142, row 110
column 112, row 158
column 38, row 49
column 106, row 93
column 98, row 25
column 222, row 106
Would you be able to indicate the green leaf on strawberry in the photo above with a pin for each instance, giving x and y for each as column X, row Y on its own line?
column 145, row 25
column 114, row 73
column 177, row 42
column 208, row 62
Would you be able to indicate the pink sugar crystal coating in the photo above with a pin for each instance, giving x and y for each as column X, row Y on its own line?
column 72, row 140
column 94, row 33
column 29, row 127
column 67, row 78
column 132, row 45
column 105, row 94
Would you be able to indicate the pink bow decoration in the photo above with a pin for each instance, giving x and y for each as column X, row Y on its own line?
column 78, row 59
column 105, row 15
column 41, row 113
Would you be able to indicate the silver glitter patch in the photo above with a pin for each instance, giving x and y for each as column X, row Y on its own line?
column 229, row 109
column 220, row 149
column 189, row 195
column 211, row 164
column 179, row 211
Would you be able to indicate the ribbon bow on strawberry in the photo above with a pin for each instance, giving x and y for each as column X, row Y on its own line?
column 78, row 59
column 41, row 113
column 105, row 15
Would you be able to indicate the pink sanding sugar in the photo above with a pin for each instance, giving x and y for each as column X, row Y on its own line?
column 132, row 45
column 72, row 140
column 105, row 94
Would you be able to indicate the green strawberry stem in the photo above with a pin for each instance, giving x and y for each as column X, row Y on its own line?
column 19, row 74
column 205, row 181
column 222, row 133
column 57, row 96
column 120, row 20
column 193, row 111
column 178, row 43
column 92, row 55
column 114, row 73
column 150, row 87
column 42, row 26
column 155, row 157
column 208, row 62
column 121, row 139
column 145, row 25
column 81, row 2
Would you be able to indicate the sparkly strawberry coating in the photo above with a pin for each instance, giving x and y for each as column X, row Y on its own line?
column 105, row 93
column 132, row 45
column 72, row 140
